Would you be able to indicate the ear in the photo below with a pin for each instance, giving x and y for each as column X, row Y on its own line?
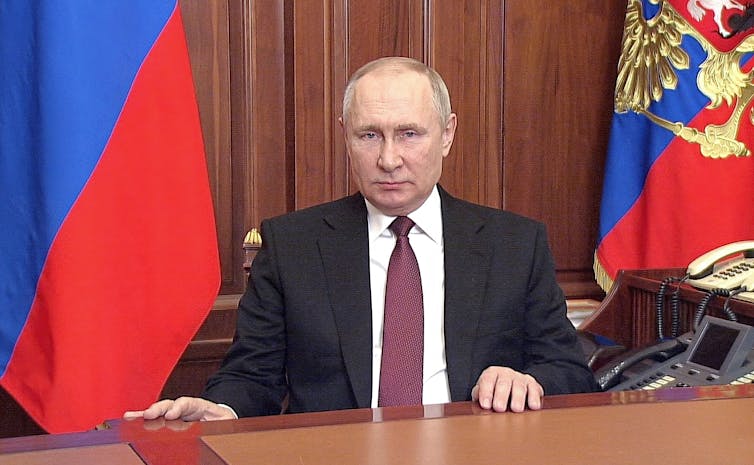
column 343, row 129
column 448, row 134
column 345, row 136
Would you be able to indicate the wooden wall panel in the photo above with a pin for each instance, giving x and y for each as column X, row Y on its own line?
column 559, row 66
column 260, row 68
column 383, row 28
column 464, row 42
column 206, row 25
column 319, row 173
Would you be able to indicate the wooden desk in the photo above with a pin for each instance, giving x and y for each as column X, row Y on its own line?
column 709, row 425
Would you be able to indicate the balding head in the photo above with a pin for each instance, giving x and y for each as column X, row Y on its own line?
column 440, row 95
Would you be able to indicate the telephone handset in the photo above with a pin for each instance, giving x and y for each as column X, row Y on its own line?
column 748, row 290
column 612, row 374
column 726, row 267
column 718, row 352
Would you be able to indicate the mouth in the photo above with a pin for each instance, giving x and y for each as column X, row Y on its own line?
column 391, row 185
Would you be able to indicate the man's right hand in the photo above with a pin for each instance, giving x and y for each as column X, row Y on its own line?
column 184, row 408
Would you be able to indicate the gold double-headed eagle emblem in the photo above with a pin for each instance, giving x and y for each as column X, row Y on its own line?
column 651, row 53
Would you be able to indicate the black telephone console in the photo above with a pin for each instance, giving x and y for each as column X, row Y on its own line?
column 718, row 352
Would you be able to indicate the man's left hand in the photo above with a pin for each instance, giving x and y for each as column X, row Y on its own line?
column 500, row 387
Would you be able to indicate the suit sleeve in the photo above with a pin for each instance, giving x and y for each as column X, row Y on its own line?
column 552, row 352
column 251, row 379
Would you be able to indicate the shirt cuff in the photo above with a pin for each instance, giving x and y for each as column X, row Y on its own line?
column 229, row 408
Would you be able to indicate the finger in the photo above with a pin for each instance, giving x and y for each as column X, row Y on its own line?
column 519, row 394
column 133, row 414
column 198, row 409
column 158, row 409
column 155, row 410
column 485, row 389
column 535, row 394
column 502, row 394
column 185, row 408
column 526, row 392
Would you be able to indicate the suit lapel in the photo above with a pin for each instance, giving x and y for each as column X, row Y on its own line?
column 466, row 271
column 345, row 255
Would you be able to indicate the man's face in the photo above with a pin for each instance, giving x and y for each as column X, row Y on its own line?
column 395, row 140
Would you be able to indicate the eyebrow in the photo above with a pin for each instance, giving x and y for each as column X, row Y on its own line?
column 413, row 126
column 366, row 128
column 400, row 127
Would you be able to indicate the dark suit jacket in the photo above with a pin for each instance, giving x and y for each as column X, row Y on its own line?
column 305, row 326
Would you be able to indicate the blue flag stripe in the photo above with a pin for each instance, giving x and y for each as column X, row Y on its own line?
column 636, row 142
column 68, row 66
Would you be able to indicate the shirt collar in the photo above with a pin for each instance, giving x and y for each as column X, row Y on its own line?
column 428, row 218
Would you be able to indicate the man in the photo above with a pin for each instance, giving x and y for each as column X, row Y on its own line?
column 310, row 326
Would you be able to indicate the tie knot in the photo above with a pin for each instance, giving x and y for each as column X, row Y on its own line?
column 401, row 225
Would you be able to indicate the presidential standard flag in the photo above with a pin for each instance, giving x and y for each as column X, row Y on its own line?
column 679, row 176
column 109, row 252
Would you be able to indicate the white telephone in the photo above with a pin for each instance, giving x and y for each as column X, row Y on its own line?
column 748, row 286
column 730, row 266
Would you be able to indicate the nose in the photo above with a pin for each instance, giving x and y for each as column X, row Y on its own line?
column 390, row 157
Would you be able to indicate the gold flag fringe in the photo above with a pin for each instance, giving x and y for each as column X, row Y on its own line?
column 600, row 275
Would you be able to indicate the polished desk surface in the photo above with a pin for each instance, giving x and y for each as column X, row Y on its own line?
column 711, row 425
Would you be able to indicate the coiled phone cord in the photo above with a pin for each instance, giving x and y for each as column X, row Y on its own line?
column 674, row 302
column 701, row 309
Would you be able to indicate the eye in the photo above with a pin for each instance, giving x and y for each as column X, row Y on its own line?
column 370, row 135
column 411, row 132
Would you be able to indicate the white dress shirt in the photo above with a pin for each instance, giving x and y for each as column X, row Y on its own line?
column 427, row 242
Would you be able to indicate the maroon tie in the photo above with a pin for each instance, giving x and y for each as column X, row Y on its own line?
column 403, row 334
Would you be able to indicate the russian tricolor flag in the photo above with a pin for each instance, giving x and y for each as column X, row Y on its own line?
column 674, row 185
column 108, row 250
